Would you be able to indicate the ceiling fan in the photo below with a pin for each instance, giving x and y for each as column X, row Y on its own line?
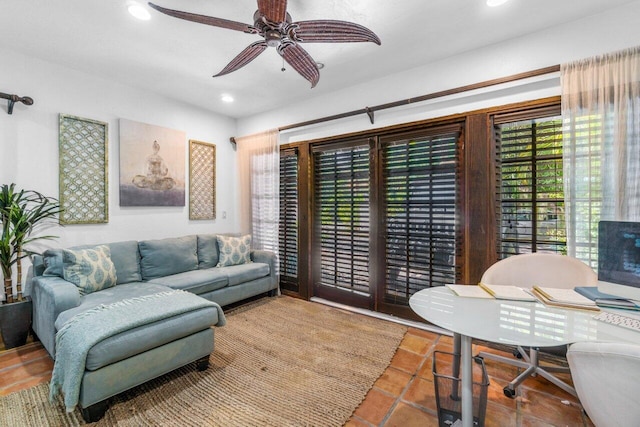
column 273, row 22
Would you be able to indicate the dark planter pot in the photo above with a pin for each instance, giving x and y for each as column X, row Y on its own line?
column 15, row 323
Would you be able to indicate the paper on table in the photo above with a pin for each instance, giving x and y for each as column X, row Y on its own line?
column 508, row 292
column 567, row 298
column 563, row 295
column 470, row 291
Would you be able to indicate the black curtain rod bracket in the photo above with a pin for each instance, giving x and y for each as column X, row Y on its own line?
column 370, row 113
column 12, row 99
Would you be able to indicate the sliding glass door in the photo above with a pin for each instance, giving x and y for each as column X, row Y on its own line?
column 341, row 231
column 420, row 198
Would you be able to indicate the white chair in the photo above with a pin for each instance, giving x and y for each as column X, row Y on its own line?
column 606, row 379
column 526, row 271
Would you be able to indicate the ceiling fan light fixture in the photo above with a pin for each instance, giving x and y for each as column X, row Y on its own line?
column 138, row 11
column 494, row 3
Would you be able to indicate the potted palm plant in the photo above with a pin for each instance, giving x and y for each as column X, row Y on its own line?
column 22, row 214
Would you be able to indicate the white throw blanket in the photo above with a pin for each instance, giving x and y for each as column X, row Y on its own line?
column 88, row 328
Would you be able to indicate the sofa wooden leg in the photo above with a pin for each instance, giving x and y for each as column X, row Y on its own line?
column 202, row 364
column 94, row 412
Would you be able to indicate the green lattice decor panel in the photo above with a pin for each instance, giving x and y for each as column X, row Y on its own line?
column 83, row 145
column 202, row 180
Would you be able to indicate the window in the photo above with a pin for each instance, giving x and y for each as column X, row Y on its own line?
column 585, row 159
column 420, row 198
column 288, row 227
column 530, row 176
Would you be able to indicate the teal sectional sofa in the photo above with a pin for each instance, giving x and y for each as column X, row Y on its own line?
column 144, row 268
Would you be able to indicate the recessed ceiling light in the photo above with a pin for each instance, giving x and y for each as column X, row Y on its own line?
column 226, row 98
column 139, row 11
column 494, row 3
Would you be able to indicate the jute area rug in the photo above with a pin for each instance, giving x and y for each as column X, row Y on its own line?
column 278, row 362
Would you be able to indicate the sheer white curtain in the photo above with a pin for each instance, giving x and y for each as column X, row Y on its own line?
column 259, row 177
column 601, row 116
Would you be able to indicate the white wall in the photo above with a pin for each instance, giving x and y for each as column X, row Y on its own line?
column 29, row 146
column 614, row 30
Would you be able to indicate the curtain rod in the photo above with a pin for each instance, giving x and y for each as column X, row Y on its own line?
column 369, row 111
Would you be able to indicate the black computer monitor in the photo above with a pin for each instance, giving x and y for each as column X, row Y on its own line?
column 619, row 258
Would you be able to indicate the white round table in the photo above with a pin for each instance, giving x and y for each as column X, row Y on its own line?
column 521, row 323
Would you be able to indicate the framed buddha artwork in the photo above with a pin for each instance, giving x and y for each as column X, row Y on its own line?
column 152, row 165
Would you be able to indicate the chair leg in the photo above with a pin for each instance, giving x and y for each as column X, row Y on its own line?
column 503, row 359
column 557, row 381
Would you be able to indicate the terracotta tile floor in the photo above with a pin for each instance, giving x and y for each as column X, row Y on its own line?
column 24, row 367
column 403, row 396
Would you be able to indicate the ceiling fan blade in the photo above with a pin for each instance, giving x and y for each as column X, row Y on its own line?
column 273, row 10
column 301, row 61
column 329, row 31
column 250, row 53
column 207, row 20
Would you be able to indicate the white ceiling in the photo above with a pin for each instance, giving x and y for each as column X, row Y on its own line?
column 177, row 58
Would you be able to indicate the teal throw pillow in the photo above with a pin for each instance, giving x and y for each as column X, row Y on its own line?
column 234, row 250
column 89, row 269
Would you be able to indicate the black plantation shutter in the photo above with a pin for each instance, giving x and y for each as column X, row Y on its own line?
column 530, row 183
column 288, row 228
column 341, row 174
column 420, row 195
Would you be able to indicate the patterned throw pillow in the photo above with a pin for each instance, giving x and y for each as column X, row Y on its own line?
column 234, row 250
column 89, row 269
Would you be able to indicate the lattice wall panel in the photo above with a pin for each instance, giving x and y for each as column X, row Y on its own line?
column 83, row 171
column 202, row 180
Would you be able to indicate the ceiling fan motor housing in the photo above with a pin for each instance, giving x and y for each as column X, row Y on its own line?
column 272, row 37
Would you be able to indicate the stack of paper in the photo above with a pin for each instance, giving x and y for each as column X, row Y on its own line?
column 567, row 298
column 513, row 293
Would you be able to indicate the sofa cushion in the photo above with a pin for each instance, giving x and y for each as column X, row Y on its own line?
column 207, row 250
column 126, row 258
column 197, row 281
column 234, row 250
column 52, row 259
column 37, row 261
column 90, row 270
column 243, row 273
column 124, row 255
column 165, row 257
